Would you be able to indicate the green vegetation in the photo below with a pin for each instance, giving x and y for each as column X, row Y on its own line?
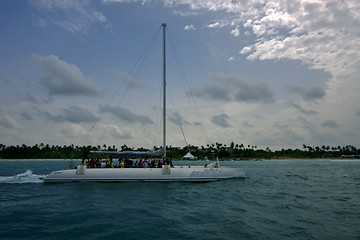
column 233, row 151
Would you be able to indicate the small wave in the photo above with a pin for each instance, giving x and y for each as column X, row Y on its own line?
column 26, row 177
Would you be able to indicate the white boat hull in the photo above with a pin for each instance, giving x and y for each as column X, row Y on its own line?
column 179, row 173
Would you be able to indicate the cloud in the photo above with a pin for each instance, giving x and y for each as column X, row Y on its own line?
column 235, row 88
column 235, row 32
column 27, row 116
column 221, row 120
column 71, row 130
column 27, row 97
column 309, row 94
column 123, row 1
column 127, row 79
column 126, row 115
column 246, row 124
column 76, row 114
column 73, row 16
column 301, row 109
column 230, row 59
column 329, row 124
column 73, row 114
column 246, row 50
column 309, row 125
column 118, row 133
column 216, row 25
column 325, row 138
column 190, row 27
column 322, row 34
column 64, row 78
column 176, row 118
column 8, row 122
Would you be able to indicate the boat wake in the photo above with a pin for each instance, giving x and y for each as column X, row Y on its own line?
column 26, row 177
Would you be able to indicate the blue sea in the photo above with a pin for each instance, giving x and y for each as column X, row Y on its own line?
column 297, row 199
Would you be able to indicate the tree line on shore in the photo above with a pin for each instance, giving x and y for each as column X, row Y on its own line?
column 233, row 151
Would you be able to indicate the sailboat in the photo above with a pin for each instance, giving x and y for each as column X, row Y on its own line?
column 207, row 173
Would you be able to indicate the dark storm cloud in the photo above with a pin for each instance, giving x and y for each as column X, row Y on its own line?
column 221, row 120
column 235, row 88
column 309, row 94
column 126, row 115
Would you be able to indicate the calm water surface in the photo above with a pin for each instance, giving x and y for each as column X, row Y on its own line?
column 277, row 200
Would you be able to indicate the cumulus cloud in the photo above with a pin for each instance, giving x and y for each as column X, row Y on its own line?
column 63, row 78
column 322, row 34
column 301, row 109
column 221, row 120
column 76, row 114
column 119, row 133
column 230, row 59
column 190, row 27
column 176, row 118
column 246, row 50
column 215, row 25
column 319, row 33
column 73, row 114
column 71, row 130
column 235, row 88
column 235, row 32
column 309, row 94
column 126, row 115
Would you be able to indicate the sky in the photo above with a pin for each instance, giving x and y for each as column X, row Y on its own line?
column 277, row 74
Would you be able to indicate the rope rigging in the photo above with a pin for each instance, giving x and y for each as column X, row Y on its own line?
column 187, row 90
column 129, row 80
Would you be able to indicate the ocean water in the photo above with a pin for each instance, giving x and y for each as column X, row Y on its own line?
column 317, row 199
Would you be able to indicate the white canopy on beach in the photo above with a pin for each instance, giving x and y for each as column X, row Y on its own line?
column 189, row 156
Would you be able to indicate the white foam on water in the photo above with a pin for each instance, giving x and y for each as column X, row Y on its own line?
column 26, row 177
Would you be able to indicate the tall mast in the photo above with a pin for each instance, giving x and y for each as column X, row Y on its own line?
column 164, row 90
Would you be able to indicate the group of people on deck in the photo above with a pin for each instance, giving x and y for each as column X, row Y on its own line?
column 126, row 163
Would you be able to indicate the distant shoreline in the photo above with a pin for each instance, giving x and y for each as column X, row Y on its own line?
column 38, row 159
column 235, row 160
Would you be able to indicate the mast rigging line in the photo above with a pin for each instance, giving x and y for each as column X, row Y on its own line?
column 187, row 89
column 128, row 80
